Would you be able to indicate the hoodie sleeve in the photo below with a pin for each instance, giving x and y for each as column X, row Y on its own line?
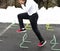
column 28, row 5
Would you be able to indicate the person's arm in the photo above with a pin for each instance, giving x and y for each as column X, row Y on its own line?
column 28, row 5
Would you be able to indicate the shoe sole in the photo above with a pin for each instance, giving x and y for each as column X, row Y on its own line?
column 42, row 44
column 22, row 31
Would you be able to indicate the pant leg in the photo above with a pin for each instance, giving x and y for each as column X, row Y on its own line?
column 20, row 19
column 33, row 21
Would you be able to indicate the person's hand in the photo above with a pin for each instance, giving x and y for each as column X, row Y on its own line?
column 21, row 1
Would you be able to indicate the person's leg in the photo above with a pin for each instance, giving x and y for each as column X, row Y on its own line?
column 33, row 21
column 20, row 19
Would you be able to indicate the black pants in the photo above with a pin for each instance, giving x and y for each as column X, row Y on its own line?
column 33, row 20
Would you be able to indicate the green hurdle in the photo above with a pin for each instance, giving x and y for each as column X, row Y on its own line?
column 54, row 43
column 24, row 41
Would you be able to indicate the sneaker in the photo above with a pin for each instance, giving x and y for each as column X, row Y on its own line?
column 20, row 31
column 41, row 44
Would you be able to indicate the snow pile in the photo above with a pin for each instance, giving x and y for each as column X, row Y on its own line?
column 51, row 16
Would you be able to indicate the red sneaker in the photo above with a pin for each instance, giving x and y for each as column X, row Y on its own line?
column 20, row 31
column 41, row 44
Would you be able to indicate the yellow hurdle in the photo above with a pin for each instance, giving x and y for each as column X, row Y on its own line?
column 49, row 28
column 27, row 26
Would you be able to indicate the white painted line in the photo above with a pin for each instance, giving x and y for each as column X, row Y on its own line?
column 15, row 25
column 6, row 29
column 1, row 40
